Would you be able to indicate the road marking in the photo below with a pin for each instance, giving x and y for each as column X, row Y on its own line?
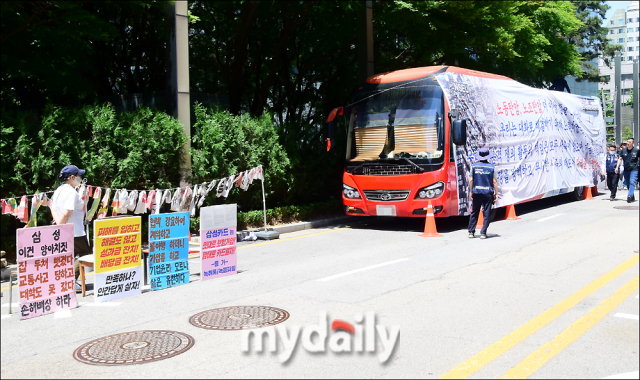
column 361, row 270
column 5, row 316
column 628, row 316
column 550, row 349
column 12, row 305
column 195, row 261
column 628, row 375
column 503, row 345
column 550, row 217
column 292, row 238
column 62, row 314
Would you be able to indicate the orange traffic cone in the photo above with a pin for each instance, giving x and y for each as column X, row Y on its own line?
column 480, row 220
column 587, row 193
column 430, row 224
column 511, row 213
column 594, row 190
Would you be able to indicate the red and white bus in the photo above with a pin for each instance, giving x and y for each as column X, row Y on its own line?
column 400, row 146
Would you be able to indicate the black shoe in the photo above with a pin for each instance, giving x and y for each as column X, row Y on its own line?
column 472, row 235
column 483, row 236
column 628, row 199
column 612, row 198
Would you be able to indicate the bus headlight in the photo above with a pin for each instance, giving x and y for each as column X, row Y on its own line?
column 350, row 192
column 432, row 191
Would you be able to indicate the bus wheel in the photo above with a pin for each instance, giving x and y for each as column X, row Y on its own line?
column 497, row 213
column 577, row 193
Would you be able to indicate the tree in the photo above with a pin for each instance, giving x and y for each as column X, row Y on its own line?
column 525, row 40
column 44, row 51
column 629, row 102
column 591, row 38
column 69, row 51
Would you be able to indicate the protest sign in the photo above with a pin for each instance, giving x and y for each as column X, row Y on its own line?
column 118, row 284
column 117, row 253
column 45, row 270
column 218, row 225
column 168, row 250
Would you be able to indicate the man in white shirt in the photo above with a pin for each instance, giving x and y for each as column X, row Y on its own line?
column 67, row 207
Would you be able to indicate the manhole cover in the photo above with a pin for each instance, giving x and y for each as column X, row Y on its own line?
column 629, row 208
column 134, row 347
column 239, row 318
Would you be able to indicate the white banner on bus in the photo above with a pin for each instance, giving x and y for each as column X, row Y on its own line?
column 543, row 142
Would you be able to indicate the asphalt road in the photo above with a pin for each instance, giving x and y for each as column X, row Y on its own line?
column 554, row 294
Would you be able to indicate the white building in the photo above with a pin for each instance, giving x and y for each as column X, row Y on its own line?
column 624, row 29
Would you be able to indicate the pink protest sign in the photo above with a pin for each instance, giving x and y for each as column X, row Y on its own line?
column 39, row 242
column 218, row 256
column 45, row 270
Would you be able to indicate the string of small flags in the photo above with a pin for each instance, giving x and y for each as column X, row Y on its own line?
column 137, row 201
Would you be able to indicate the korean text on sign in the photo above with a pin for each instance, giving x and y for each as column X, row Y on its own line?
column 218, row 241
column 118, row 264
column 117, row 244
column 168, row 250
column 218, row 252
column 46, row 276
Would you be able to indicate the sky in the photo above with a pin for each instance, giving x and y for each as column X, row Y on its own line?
column 616, row 5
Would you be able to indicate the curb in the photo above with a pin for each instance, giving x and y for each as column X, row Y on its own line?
column 294, row 227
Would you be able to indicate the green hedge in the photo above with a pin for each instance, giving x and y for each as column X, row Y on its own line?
column 224, row 144
column 133, row 150
column 142, row 149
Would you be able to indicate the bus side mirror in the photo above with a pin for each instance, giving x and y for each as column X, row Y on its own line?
column 459, row 132
column 332, row 115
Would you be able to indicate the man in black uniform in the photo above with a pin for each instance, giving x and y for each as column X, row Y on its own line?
column 630, row 158
column 484, row 188
column 612, row 175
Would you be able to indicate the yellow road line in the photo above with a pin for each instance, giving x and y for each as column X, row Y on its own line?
column 490, row 353
column 550, row 349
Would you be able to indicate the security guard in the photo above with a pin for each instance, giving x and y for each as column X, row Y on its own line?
column 484, row 188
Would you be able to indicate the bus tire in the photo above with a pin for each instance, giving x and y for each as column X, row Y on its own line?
column 577, row 193
column 497, row 213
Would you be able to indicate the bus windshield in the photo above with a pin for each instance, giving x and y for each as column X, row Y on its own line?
column 404, row 122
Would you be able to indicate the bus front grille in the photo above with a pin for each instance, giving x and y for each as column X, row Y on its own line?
column 389, row 170
column 386, row 195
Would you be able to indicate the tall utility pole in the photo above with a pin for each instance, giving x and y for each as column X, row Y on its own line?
column 365, row 42
column 636, row 98
column 617, row 114
column 179, row 104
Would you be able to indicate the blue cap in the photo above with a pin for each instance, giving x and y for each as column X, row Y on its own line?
column 70, row 170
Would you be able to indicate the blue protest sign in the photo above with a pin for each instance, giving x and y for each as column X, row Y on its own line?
column 168, row 250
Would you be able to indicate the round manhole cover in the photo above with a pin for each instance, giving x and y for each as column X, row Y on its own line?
column 239, row 318
column 628, row 208
column 134, row 347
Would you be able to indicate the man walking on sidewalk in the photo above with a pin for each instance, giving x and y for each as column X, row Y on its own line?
column 630, row 157
column 612, row 175
column 484, row 190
